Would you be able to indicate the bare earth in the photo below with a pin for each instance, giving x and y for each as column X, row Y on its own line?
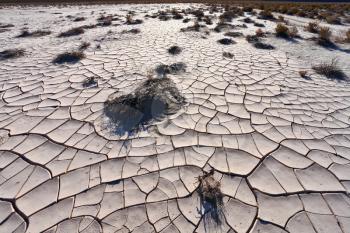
column 279, row 143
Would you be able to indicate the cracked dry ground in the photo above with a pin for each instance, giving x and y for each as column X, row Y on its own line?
column 279, row 144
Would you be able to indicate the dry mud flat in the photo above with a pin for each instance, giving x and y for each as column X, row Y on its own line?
column 231, row 139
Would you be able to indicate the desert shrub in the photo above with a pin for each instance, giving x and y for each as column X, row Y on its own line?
column 324, row 37
column 223, row 27
column 281, row 18
column 162, row 70
column 233, row 34
column 252, row 38
column 333, row 19
column 79, row 19
column 282, row 30
column 227, row 55
column 303, row 73
column 131, row 21
column 261, row 25
column 186, row 20
column 90, row 82
column 313, row 27
column 265, row 14
column 247, row 9
column 248, row 20
column 293, row 32
column 207, row 20
column 84, row 46
column 347, row 36
column 330, row 70
column 259, row 33
column 11, row 53
column 72, row 32
column 69, row 57
column 174, row 50
column 211, row 198
column 153, row 100
column 261, row 45
column 227, row 16
column 226, row 41
column 196, row 27
column 38, row 33
column 131, row 31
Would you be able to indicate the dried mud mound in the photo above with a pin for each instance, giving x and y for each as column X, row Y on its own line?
column 151, row 101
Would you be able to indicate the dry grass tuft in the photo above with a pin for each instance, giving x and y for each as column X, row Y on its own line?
column 226, row 41
column 259, row 33
column 174, row 50
column 38, row 33
column 227, row 55
column 90, row 82
column 282, row 30
column 69, row 57
column 330, row 70
column 303, row 73
column 324, row 37
column 84, row 46
column 72, row 32
column 313, row 27
column 11, row 54
column 152, row 101
column 261, row 45
column 211, row 197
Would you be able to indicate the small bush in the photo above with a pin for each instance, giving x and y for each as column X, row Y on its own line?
column 84, row 46
column 233, row 34
column 260, row 25
column 293, row 32
column 259, row 33
column 69, row 57
column 252, row 38
column 174, row 50
column 11, row 53
column 131, row 21
column 72, row 32
column 131, row 31
column 37, row 33
column 79, row 19
column 265, row 14
column 313, row 27
column 347, row 36
column 333, row 19
column 330, row 70
column 324, row 37
column 303, row 73
column 282, row 30
column 227, row 55
column 226, row 41
column 90, row 82
column 260, row 45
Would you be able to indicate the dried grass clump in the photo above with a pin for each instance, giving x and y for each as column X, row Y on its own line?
column 162, row 70
column 131, row 21
column 227, row 55
column 153, row 100
column 226, row 41
column 303, row 73
column 211, row 198
column 259, row 33
column 84, row 46
column 265, row 14
column 174, row 50
column 11, row 54
column 72, row 32
column 69, row 57
column 252, row 38
column 233, row 34
column 330, row 70
column 196, row 27
column 282, row 30
column 79, row 19
column 131, row 31
column 90, row 82
column 313, row 27
column 260, row 25
column 324, row 37
column 38, row 33
column 293, row 32
column 223, row 27
column 333, row 19
column 347, row 36
column 261, row 45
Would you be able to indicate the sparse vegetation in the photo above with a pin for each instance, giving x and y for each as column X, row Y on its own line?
column 259, row 33
column 211, row 197
column 282, row 30
column 324, row 37
column 330, row 70
column 226, row 41
column 153, row 100
column 233, row 34
column 162, row 70
column 90, row 82
column 69, row 57
column 174, row 50
column 131, row 21
column 84, row 46
column 79, row 19
column 303, row 73
column 11, row 53
column 266, row 14
column 131, row 31
column 227, row 55
column 38, row 33
column 261, row 45
column 312, row 27
column 72, row 32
